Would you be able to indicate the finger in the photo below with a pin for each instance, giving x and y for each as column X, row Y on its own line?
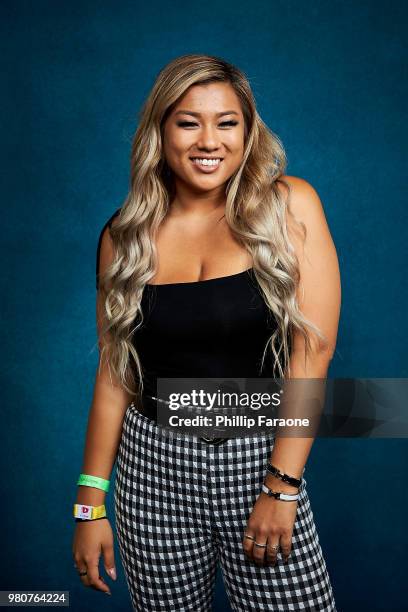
column 83, row 573
column 272, row 550
column 286, row 546
column 80, row 566
column 95, row 579
column 109, row 561
column 248, row 542
column 259, row 548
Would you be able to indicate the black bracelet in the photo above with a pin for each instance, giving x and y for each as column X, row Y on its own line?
column 295, row 482
column 79, row 520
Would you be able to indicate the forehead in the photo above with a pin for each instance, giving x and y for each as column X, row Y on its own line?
column 209, row 98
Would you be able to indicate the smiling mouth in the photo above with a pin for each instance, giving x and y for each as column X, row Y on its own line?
column 207, row 162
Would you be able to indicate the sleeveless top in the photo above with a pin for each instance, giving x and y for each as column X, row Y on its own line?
column 210, row 328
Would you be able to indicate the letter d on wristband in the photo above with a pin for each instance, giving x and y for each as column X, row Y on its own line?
column 93, row 481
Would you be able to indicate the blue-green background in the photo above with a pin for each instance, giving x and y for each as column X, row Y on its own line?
column 330, row 80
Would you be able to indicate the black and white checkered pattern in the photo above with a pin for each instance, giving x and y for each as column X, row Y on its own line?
column 182, row 505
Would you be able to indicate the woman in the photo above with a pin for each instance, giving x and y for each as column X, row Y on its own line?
column 217, row 265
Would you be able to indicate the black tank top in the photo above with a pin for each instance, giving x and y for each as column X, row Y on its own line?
column 211, row 328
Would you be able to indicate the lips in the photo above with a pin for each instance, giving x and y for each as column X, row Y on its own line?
column 206, row 164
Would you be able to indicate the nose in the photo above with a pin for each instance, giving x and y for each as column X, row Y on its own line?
column 208, row 139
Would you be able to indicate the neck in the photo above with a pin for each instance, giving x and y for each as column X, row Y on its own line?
column 197, row 203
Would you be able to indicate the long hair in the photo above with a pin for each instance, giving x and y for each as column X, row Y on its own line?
column 255, row 212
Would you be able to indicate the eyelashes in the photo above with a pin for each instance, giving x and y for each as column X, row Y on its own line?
column 231, row 123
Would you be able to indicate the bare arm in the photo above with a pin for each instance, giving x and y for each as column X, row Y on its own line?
column 319, row 297
column 107, row 411
column 272, row 520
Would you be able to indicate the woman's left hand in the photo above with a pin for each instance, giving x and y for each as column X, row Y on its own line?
column 271, row 522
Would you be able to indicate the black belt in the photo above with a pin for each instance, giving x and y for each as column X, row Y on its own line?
column 213, row 440
column 148, row 408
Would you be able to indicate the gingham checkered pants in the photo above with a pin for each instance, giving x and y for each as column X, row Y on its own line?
column 182, row 506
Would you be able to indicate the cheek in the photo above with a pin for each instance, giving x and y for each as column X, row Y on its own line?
column 172, row 146
column 235, row 143
column 178, row 144
column 236, row 151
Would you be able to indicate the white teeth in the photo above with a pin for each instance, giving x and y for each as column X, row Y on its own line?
column 207, row 162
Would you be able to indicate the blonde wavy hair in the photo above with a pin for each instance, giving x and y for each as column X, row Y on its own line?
column 255, row 212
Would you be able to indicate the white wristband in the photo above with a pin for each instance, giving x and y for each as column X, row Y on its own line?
column 279, row 495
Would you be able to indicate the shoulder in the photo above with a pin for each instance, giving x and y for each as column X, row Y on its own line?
column 303, row 201
column 110, row 222
column 303, row 205
column 105, row 250
column 104, row 235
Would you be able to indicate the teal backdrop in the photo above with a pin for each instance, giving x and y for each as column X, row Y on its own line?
column 330, row 79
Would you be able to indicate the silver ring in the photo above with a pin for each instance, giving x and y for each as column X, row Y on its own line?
column 250, row 537
column 260, row 545
column 276, row 547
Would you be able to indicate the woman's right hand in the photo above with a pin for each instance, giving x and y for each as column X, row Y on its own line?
column 91, row 540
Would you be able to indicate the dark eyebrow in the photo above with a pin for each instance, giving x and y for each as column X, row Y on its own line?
column 186, row 112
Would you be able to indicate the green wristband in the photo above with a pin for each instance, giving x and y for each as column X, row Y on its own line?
column 93, row 481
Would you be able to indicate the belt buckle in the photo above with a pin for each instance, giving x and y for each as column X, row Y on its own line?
column 213, row 440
